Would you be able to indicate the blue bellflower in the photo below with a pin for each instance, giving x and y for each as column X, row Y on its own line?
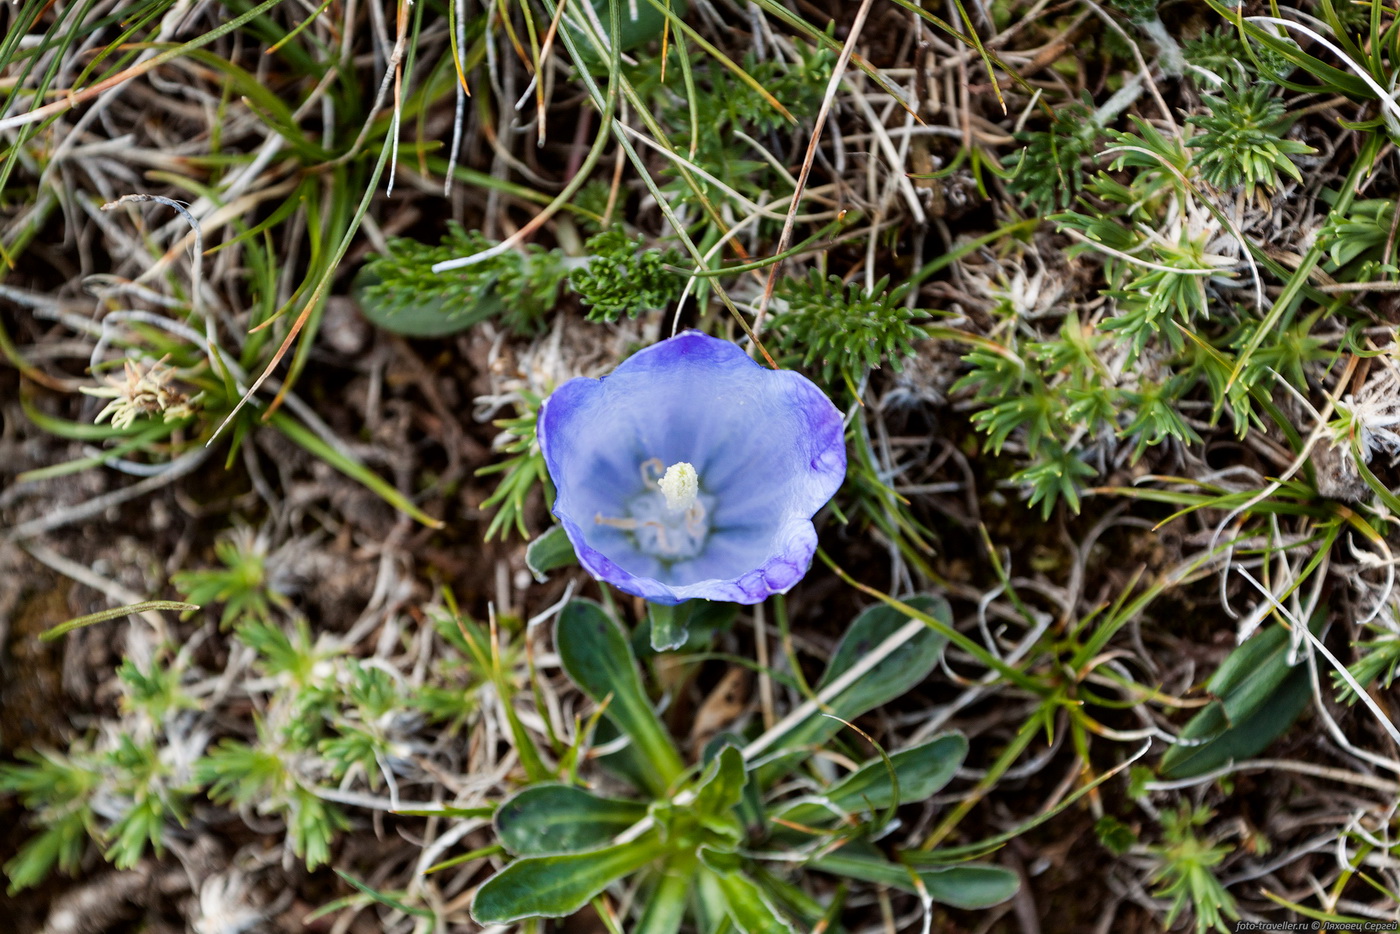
column 692, row 472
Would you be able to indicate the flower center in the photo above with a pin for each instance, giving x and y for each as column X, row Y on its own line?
column 680, row 486
column 669, row 519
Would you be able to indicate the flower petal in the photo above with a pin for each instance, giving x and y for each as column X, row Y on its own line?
column 767, row 445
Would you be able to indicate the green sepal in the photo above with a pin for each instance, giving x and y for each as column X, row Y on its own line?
column 703, row 619
column 670, row 625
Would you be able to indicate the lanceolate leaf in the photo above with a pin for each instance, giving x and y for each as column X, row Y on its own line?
column 744, row 901
column 595, row 653
column 962, row 885
column 972, row 885
column 555, row 886
column 890, row 678
column 921, row 771
column 548, row 819
column 1259, row 695
column 1247, row 737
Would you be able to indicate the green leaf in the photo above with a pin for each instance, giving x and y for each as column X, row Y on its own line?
column 722, row 784
column 750, row 804
column 970, row 885
column 1246, row 738
column 720, row 789
column 890, row 678
column 1259, row 697
column 595, row 653
column 709, row 905
column 549, row 819
column 556, row 886
column 312, row 826
column 61, row 845
column 624, row 760
column 431, row 315
column 76, row 431
column 638, row 23
column 549, row 552
column 666, row 904
column 1116, row 836
column 908, row 666
column 744, row 901
column 921, row 772
column 962, row 885
column 143, row 823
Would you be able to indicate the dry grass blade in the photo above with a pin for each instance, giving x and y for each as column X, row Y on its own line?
column 837, row 74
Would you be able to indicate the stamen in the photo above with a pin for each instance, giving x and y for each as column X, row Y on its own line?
column 668, row 520
column 652, row 468
column 631, row 525
column 694, row 519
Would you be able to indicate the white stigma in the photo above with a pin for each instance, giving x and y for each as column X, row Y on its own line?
column 680, row 486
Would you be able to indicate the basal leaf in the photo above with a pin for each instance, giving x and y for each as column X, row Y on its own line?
column 595, row 653
column 744, row 901
column 888, row 679
column 921, row 772
column 549, row 552
column 962, row 885
column 1258, row 696
column 549, row 819
column 556, row 886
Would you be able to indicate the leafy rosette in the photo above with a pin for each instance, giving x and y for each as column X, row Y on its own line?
column 692, row 472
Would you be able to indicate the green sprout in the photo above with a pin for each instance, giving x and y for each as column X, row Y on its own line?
column 57, row 790
column 1377, row 660
column 243, row 585
column 1241, row 140
column 1185, row 872
column 623, row 280
column 1048, row 172
column 523, row 470
column 399, row 291
column 848, row 329
column 1219, row 51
